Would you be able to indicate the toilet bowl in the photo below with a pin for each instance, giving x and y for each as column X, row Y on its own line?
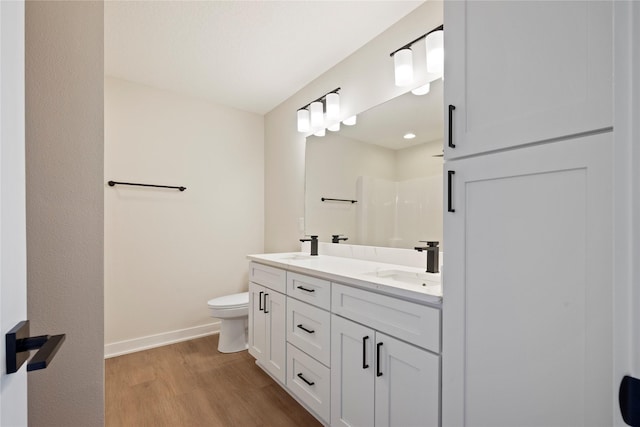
column 233, row 311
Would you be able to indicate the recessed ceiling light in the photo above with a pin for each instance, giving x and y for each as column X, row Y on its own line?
column 409, row 135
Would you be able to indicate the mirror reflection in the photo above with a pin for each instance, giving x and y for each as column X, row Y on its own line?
column 395, row 180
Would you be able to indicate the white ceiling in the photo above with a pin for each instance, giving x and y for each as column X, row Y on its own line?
column 250, row 55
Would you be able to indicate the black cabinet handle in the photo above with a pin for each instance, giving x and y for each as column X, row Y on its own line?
column 449, row 191
column 265, row 303
column 305, row 380
column 309, row 331
column 451, row 108
column 260, row 302
column 302, row 288
column 365, row 365
column 378, row 372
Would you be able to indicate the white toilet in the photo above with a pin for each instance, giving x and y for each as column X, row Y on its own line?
column 233, row 311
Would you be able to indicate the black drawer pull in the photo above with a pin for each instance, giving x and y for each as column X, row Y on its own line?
column 305, row 380
column 451, row 108
column 302, row 288
column 260, row 301
column 378, row 372
column 365, row 365
column 309, row 331
column 450, row 191
column 265, row 303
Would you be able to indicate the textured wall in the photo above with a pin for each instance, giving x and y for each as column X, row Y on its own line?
column 64, row 161
column 168, row 252
column 366, row 79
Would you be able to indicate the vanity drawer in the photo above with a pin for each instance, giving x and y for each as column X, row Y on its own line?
column 309, row 289
column 270, row 277
column 309, row 329
column 309, row 381
column 414, row 323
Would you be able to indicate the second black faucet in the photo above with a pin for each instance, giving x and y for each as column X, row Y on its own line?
column 336, row 238
column 432, row 255
column 314, row 244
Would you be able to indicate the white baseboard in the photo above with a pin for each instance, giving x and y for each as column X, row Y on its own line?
column 151, row 341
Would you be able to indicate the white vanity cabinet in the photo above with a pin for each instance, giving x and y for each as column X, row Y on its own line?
column 377, row 379
column 267, row 314
column 521, row 72
column 354, row 356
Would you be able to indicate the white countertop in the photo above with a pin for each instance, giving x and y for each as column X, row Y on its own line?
column 391, row 279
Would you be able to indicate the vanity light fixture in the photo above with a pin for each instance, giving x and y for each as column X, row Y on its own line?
column 422, row 90
column 350, row 121
column 317, row 115
column 333, row 106
column 435, row 51
column 303, row 120
column 403, row 67
column 403, row 62
column 311, row 117
column 320, row 132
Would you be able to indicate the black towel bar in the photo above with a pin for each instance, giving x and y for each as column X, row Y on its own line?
column 112, row 183
column 326, row 199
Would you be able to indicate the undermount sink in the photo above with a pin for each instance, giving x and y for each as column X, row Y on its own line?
column 295, row 257
column 407, row 277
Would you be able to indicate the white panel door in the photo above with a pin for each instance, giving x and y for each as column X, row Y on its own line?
column 407, row 384
column 13, row 285
column 519, row 72
column 257, row 323
column 527, row 318
column 275, row 318
column 352, row 374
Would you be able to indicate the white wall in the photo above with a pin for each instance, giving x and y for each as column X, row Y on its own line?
column 64, row 164
column 168, row 252
column 366, row 79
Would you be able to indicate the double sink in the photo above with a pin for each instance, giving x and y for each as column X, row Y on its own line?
column 401, row 277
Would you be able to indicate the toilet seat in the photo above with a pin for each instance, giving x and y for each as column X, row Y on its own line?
column 230, row 301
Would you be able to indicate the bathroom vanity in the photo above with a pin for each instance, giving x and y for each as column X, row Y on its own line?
column 356, row 342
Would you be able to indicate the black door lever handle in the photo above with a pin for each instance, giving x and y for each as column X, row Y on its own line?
column 18, row 343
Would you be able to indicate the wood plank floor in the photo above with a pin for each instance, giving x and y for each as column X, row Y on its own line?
column 191, row 384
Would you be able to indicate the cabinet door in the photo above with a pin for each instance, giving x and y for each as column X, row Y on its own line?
column 527, row 318
column 407, row 389
column 352, row 374
column 519, row 72
column 257, row 325
column 275, row 318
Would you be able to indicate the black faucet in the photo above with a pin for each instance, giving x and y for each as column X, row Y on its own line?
column 335, row 238
column 433, row 252
column 314, row 244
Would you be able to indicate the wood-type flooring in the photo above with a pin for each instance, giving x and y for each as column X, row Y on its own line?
column 192, row 384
